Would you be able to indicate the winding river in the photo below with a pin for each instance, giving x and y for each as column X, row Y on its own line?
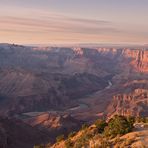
column 85, row 106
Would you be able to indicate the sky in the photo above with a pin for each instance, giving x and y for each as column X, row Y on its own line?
column 74, row 21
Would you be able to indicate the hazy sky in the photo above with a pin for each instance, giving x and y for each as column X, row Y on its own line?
column 73, row 21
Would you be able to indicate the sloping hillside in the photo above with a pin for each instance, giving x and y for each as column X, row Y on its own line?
column 90, row 138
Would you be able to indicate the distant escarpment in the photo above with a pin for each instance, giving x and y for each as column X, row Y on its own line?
column 136, row 59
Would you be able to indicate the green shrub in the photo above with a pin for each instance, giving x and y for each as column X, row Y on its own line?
column 118, row 125
column 131, row 121
column 59, row 138
column 146, row 119
column 84, row 126
column 68, row 143
column 105, row 143
column 71, row 134
column 83, row 140
column 117, row 140
column 89, row 136
column 141, row 119
column 100, row 125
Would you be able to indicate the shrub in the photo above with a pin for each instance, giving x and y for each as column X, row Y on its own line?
column 146, row 119
column 131, row 121
column 89, row 136
column 117, row 140
column 69, row 143
column 83, row 140
column 71, row 134
column 84, row 126
column 118, row 125
column 105, row 143
column 141, row 119
column 100, row 125
column 59, row 138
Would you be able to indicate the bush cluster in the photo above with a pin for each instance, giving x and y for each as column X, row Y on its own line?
column 100, row 125
column 118, row 125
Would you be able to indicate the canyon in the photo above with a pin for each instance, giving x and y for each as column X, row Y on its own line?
column 40, row 79
column 56, row 89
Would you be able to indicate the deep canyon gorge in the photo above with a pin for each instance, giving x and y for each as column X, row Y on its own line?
column 60, row 88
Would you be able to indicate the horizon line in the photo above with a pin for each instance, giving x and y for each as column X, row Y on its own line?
column 80, row 44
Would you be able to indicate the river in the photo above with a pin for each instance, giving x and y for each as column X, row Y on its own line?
column 85, row 106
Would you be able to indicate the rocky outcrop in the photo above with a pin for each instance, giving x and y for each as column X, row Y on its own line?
column 55, row 123
column 136, row 58
column 139, row 59
column 129, row 104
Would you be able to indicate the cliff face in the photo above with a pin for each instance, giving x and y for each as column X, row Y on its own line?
column 139, row 59
column 98, row 61
column 133, row 101
column 136, row 58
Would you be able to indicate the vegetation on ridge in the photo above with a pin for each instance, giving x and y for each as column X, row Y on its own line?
column 101, row 134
